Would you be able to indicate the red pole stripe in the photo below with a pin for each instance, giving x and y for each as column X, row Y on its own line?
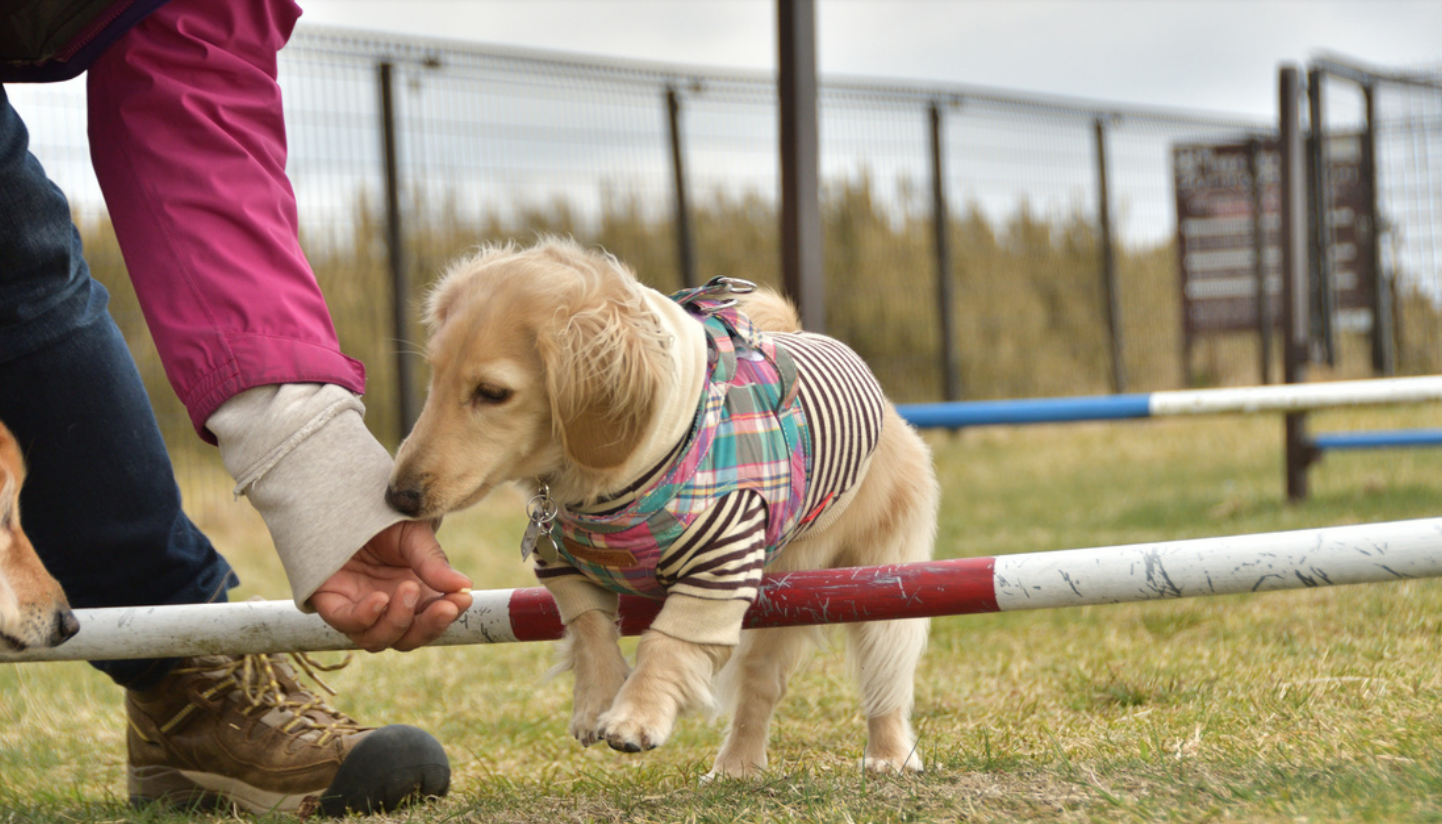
column 961, row 586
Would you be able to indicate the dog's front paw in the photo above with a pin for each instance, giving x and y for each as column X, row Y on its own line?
column 583, row 728
column 633, row 729
column 589, row 701
column 735, row 767
column 898, row 763
column 589, row 705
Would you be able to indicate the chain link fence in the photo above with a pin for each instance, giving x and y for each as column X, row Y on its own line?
column 1045, row 297
column 1408, row 122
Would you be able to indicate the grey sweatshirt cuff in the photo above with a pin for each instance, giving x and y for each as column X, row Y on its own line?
column 303, row 456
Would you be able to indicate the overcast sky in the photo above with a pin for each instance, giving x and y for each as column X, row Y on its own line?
column 1219, row 55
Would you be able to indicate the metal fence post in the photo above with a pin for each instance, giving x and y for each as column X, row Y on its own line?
column 407, row 407
column 1384, row 351
column 801, row 268
column 1296, row 308
column 685, row 246
column 1324, row 300
column 1259, row 262
column 1109, row 264
column 941, row 228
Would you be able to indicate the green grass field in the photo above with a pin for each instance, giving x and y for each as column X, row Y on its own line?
column 1310, row 706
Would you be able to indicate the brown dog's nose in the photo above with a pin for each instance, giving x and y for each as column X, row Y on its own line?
column 406, row 500
column 65, row 626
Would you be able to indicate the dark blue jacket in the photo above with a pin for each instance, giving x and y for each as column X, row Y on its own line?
column 45, row 41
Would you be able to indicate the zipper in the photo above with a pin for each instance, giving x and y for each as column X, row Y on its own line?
column 90, row 32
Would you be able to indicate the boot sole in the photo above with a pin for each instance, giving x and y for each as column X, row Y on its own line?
column 172, row 787
column 388, row 768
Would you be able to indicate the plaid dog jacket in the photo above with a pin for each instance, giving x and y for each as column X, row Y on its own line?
column 750, row 432
column 783, row 434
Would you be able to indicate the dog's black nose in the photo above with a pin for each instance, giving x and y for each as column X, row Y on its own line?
column 406, row 500
column 65, row 626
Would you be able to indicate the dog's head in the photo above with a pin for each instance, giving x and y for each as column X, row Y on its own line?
column 545, row 362
column 33, row 609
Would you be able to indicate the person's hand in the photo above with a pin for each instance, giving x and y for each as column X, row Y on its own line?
column 398, row 591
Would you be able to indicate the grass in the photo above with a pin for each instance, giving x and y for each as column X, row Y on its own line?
column 1319, row 705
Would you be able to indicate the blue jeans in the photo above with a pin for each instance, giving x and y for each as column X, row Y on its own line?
column 100, row 502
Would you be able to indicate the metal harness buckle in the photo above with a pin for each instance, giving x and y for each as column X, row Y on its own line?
column 721, row 285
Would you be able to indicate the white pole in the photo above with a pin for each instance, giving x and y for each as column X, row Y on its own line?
column 1293, row 397
column 1361, row 554
column 1296, row 397
column 239, row 628
column 1330, row 556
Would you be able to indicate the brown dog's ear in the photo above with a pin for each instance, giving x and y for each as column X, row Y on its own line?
column 439, row 303
column 458, row 279
column 604, row 366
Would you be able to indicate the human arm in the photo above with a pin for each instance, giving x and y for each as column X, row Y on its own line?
column 303, row 457
column 188, row 143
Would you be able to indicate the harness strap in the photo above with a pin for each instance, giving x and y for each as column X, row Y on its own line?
column 725, row 324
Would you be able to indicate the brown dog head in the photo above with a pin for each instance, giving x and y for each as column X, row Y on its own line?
column 33, row 609
column 545, row 362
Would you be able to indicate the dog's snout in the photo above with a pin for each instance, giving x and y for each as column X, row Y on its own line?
column 404, row 499
column 66, row 625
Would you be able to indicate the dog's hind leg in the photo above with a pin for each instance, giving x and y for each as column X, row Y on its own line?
column 901, row 496
column 753, row 683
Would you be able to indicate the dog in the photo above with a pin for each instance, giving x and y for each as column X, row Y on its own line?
column 33, row 610
column 633, row 415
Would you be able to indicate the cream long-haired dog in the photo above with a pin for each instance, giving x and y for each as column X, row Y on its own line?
column 676, row 450
column 33, row 609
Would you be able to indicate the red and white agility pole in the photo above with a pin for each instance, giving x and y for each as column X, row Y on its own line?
column 1330, row 556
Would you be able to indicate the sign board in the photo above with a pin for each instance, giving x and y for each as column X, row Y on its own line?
column 1351, row 234
column 1214, row 235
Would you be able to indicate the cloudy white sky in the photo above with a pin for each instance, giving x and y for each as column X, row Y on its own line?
column 1219, row 55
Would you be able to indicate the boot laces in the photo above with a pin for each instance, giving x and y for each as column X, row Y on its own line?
column 268, row 685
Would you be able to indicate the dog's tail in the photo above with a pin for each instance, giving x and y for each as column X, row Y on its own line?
column 770, row 311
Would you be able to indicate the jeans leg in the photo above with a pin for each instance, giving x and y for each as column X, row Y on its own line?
column 100, row 502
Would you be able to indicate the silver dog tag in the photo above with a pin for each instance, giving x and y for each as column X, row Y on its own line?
column 528, row 541
column 538, row 540
column 541, row 510
column 546, row 547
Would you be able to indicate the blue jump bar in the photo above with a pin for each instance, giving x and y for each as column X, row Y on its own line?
column 1034, row 410
column 1378, row 440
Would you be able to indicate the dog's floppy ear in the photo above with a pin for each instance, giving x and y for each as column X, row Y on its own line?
column 605, row 365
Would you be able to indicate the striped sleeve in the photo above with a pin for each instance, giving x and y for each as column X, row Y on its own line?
column 573, row 591
column 721, row 555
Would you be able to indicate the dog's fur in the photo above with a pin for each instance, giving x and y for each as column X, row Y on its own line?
column 548, row 363
column 33, row 609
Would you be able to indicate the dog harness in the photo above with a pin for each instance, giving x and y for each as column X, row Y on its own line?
column 750, row 432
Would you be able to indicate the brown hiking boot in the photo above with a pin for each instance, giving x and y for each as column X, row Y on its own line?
column 242, row 731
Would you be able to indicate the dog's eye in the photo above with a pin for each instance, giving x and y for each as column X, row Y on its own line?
column 488, row 394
